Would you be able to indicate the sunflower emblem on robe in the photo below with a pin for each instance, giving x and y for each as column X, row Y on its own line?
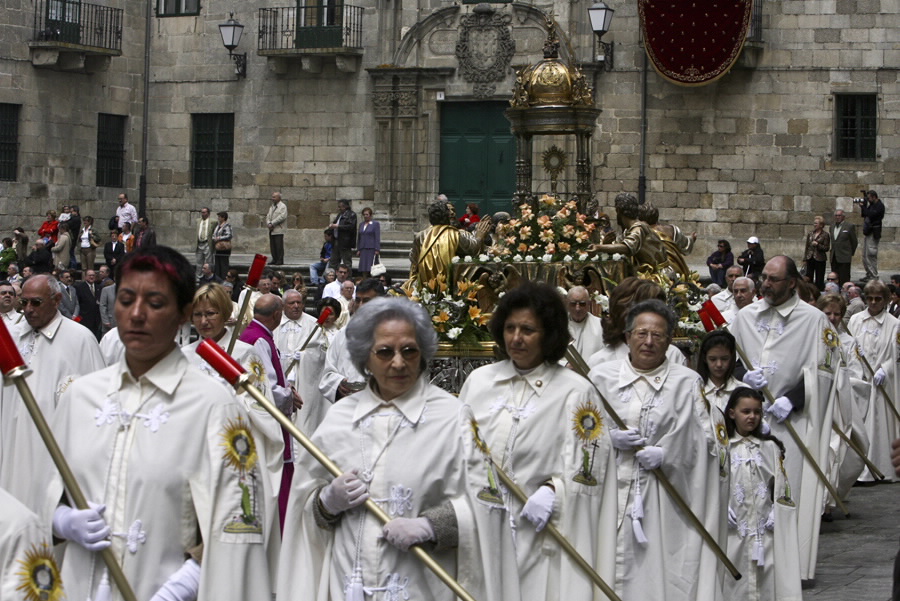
column 240, row 447
column 587, row 425
column 240, row 454
column 39, row 575
column 830, row 338
column 490, row 494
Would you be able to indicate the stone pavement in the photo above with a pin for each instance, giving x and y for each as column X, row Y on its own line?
column 856, row 555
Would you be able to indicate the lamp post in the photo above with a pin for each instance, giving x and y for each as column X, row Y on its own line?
column 601, row 16
column 231, row 31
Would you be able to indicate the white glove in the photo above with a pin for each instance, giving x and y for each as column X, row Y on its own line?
column 539, row 507
column 780, row 409
column 770, row 520
column 406, row 532
column 625, row 440
column 755, row 379
column 650, row 458
column 764, row 428
column 83, row 526
column 345, row 492
column 732, row 517
column 879, row 377
column 183, row 585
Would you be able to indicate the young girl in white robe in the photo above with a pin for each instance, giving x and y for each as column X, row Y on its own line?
column 762, row 537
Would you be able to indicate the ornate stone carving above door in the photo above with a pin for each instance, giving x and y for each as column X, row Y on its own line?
column 485, row 48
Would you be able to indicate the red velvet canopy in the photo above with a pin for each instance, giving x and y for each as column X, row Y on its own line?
column 694, row 42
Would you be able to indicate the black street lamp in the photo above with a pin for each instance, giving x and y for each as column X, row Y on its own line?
column 231, row 32
column 601, row 16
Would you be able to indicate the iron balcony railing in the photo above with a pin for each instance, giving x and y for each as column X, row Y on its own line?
column 78, row 23
column 311, row 26
column 755, row 33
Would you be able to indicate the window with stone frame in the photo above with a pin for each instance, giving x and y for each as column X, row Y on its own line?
column 111, row 150
column 177, row 8
column 9, row 141
column 212, row 150
column 855, row 127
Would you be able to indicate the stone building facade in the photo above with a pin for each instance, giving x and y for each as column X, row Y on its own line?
column 365, row 118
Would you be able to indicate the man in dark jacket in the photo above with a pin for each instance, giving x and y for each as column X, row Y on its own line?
column 40, row 260
column 114, row 250
column 146, row 236
column 344, row 228
column 88, row 292
column 873, row 214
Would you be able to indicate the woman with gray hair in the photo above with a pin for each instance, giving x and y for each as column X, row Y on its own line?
column 398, row 440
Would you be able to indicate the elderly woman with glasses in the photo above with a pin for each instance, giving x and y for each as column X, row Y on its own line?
column 399, row 443
column 542, row 424
column 165, row 455
column 668, row 429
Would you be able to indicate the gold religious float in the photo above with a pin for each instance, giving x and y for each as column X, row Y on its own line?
column 555, row 237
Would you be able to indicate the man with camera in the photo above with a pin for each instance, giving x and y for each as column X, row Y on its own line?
column 873, row 214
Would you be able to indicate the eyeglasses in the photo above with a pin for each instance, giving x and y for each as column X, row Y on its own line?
column 654, row 335
column 578, row 303
column 206, row 314
column 769, row 278
column 34, row 302
column 408, row 353
column 831, row 279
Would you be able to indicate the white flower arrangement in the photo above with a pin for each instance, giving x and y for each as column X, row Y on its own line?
column 529, row 259
column 567, row 259
column 483, row 258
column 547, row 258
column 467, row 259
column 453, row 333
column 454, row 260
column 517, row 258
column 617, row 257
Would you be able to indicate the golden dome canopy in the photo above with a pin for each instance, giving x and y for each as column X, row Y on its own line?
column 551, row 81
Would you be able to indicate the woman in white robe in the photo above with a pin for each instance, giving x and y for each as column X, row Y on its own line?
column 165, row 455
column 543, row 426
column 211, row 310
column 629, row 291
column 400, row 443
column 762, row 538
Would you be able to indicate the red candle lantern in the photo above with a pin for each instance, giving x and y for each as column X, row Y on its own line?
column 256, row 269
column 713, row 311
column 10, row 358
column 220, row 361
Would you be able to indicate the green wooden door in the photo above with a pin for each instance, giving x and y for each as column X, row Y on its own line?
column 478, row 156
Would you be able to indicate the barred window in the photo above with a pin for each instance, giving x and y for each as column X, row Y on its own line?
column 9, row 141
column 111, row 150
column 177, row 8
column 856, row 120
column 212, row 150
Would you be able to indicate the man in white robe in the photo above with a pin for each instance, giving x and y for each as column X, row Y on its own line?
column 584, row 327
column 57, row 350
column 793, row 347
column 659, row 554
column 302, row 368
column 878, row 333
column 724, row 300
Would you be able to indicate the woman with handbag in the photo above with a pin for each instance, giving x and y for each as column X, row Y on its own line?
column 222, row 243
column 818, row 243
column 88, row 243
column 368, row 245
